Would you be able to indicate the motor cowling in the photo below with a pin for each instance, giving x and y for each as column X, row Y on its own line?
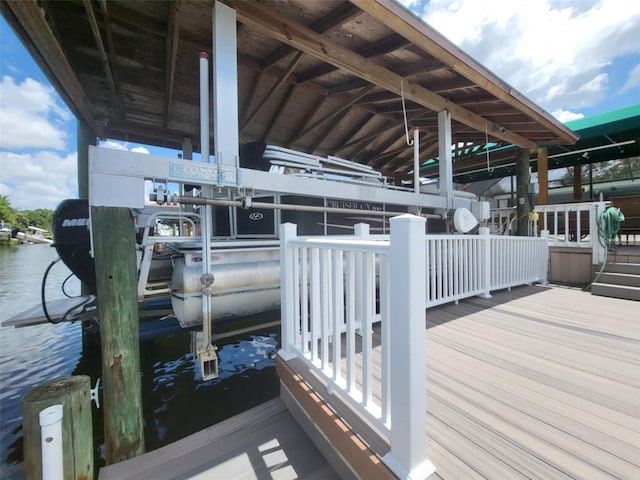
column 71, row 239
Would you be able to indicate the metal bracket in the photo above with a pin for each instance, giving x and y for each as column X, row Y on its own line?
column 94, row 393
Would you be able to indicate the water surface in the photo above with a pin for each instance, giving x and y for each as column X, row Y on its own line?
column 176, row 401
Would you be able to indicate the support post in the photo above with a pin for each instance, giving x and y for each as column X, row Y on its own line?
column 77, row 427
column 225, row 85
column 408, row 436
column 288, row 231
column 86, row 137
column 577, row 182
column 543, row 176
column 445, row 163
column 486, row 261
column 116, row 280
column 523, row 177
column 416, row 159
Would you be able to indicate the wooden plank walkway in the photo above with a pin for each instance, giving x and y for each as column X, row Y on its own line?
column 540, row 382
column 262, row 443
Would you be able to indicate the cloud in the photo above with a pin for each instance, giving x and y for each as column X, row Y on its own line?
column 566, row 116
column 31, row 116
column 633, row 81
column 124, row 146
column 140, row 150
column 554, row 51
column 40, row 180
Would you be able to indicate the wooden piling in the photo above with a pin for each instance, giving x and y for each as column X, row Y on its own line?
column 116, row 281
column 73, row 393
column 523, row 177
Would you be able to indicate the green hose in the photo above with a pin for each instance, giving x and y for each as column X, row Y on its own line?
column 608, row 227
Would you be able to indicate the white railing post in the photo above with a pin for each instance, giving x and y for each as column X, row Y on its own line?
column 408, row 434
column 485, row 261
column 361, row 230
column 288, row 231
column 51, row 438
column 597, row 253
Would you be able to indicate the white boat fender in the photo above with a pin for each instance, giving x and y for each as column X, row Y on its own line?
column 463, row 220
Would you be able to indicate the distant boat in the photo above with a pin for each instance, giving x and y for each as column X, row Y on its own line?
column 33, row 235
column 5, row 230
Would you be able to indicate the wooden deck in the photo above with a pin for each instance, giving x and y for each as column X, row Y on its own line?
column 540, row 382
column 262, row 443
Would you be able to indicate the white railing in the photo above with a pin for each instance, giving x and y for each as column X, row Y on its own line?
column 333, row 290
column 517, row 261
column 463, row 266
column 329, row 298
column 573, row 225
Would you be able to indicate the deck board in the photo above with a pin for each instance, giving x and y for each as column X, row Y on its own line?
column 263, row 443
column 539, row 382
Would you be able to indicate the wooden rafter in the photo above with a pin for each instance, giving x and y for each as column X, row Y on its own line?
column 331, row 115
column 274, row 88
column 320, row 47
column 386, row 45
column 336, row 17
column 359, row 140
column 173, row 35
column 354, row 130
column 281, row 107
column 105, row 56
column 381, row 146
column 413, row 29
column 308, row 117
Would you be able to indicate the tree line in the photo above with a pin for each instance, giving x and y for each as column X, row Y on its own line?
column 41, row 218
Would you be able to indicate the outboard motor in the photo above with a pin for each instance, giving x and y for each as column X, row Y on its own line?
column 71, row 239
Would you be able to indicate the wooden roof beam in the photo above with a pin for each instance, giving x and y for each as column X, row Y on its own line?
column 385, row 45
column 274, row 88
column 333, row 114
column 292, row 33
column 281, row 107
column 427, row 150
column 355, row 130
column 335, row 18
column 396, row 17
column 105, row 56
column 173, row 35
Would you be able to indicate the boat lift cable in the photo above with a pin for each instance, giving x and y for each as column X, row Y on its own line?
column 404, row 112
column 608, row 227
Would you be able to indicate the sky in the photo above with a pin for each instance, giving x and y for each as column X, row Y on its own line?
column 574, row 58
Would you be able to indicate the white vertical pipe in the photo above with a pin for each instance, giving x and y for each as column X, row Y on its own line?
column 408, row 435
column 207, row 218
column 416, row 159
column 51, row 438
